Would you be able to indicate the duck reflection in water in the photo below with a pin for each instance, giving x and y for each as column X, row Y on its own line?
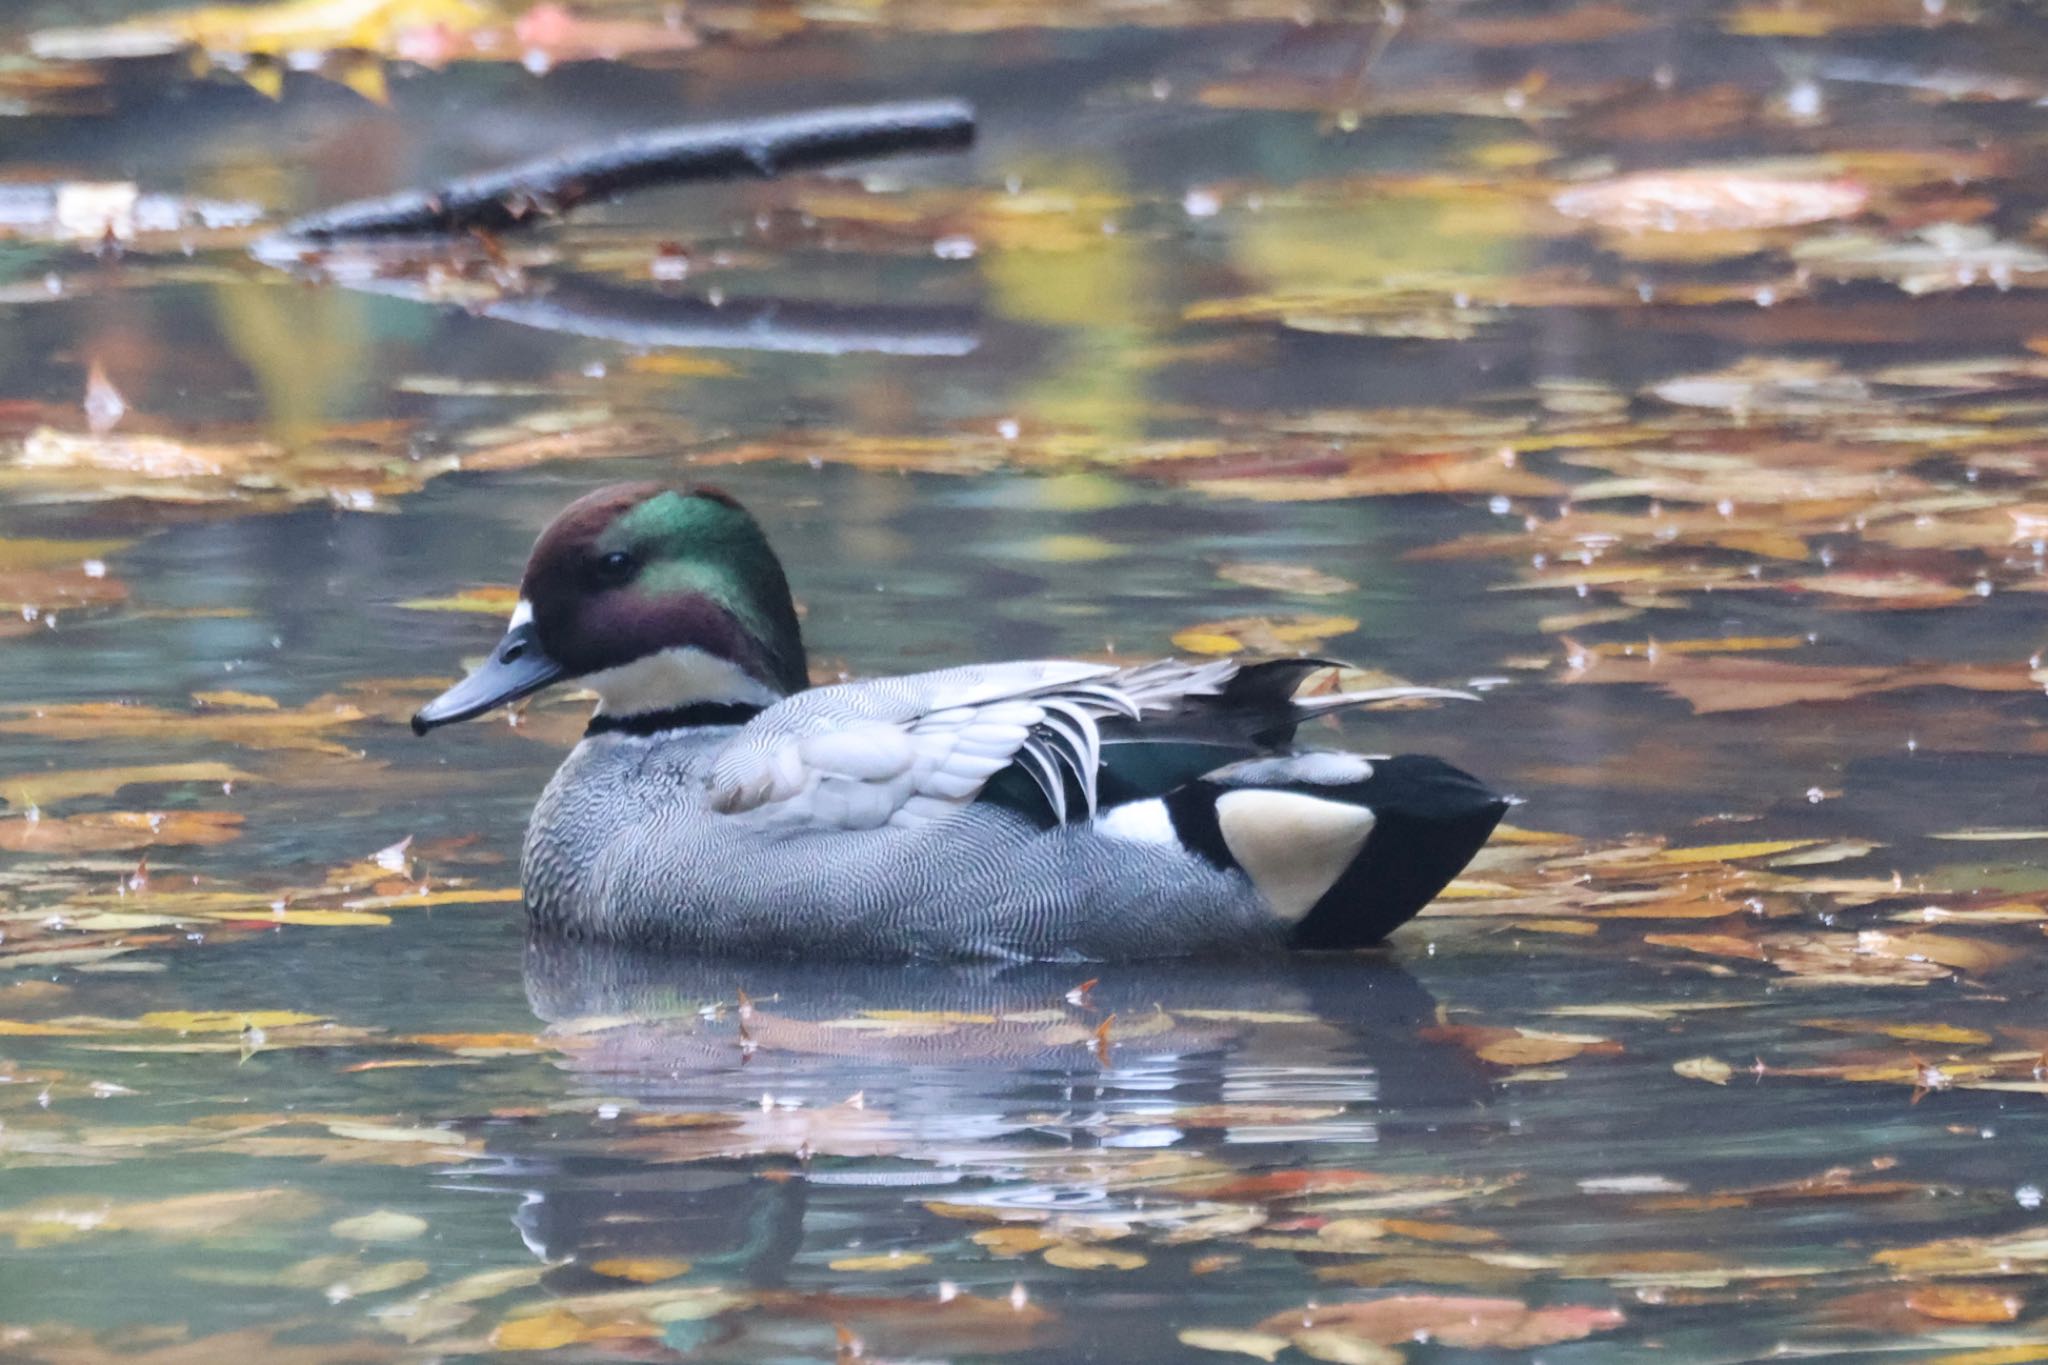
column 746, row 1097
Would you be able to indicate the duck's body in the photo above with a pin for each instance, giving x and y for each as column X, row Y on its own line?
column 1043, row 810
column 624, row 846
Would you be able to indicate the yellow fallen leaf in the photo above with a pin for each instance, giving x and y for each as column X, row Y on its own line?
column 888, row 1260
column 19, row 555
column 491, row 601
column 245, row 701
column 1995, row 1355
column 1263, row 1345
column 225, row 1021
column 1206, row 642
column 415, row 900
column 1728, row 853
column 640, row 1269
column 1911, row 1033
column 302, row 728
column 1012, row 1240
column 41, row 789
column 541, row 1332
column 1263, row 634
column 1083, row 1256
column 28, row 1028
column 1965, row 1303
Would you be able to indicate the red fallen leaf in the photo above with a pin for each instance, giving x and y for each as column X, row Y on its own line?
column 1469, row 1323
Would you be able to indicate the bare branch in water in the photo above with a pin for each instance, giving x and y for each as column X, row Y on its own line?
column 536, row 191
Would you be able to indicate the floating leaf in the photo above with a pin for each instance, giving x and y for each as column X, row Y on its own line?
column 486, row 601
column 191, row 1217
column 381, row 1225
column 109, row 831
column 1084, row 1256
column 1343, row 1348
column 1710, row 200
column 1290, row 578
column 1965, row 1303
column 1466, row 1323
column 1712, row 1070
column 883, row 1261
column 641, row 1269
column 44, row 789
column 1263, row 634
column 1263, row 1345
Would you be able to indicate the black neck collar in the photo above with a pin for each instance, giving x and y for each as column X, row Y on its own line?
column 674, row 718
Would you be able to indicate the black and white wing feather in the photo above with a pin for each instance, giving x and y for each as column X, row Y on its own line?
column 914, row 749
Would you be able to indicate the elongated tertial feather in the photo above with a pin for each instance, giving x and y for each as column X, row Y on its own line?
column 1043, row 770
column 1335, row 700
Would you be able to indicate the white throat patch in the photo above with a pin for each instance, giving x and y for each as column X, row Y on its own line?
column 681, row 676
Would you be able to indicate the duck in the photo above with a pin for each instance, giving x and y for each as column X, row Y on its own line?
column 719, row 804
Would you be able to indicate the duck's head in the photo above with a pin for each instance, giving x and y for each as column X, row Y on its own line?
column 655, row 598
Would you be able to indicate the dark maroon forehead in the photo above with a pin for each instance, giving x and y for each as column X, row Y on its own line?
column 576, row 528
column 569, row 539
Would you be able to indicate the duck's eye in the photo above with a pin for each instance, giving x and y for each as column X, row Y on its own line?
column 615, row 568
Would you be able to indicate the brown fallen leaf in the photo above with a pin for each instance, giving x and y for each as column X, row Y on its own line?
column 302, row 728
column 109, row 831
column 191, row 1217
column 1965, row 1303
column 1714, row 684
column 36, row 790
column 1466, row 1323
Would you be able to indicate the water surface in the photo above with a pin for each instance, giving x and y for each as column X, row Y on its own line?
column 1726, row 491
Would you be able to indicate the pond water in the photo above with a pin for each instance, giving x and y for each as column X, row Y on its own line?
column 1672, row 375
